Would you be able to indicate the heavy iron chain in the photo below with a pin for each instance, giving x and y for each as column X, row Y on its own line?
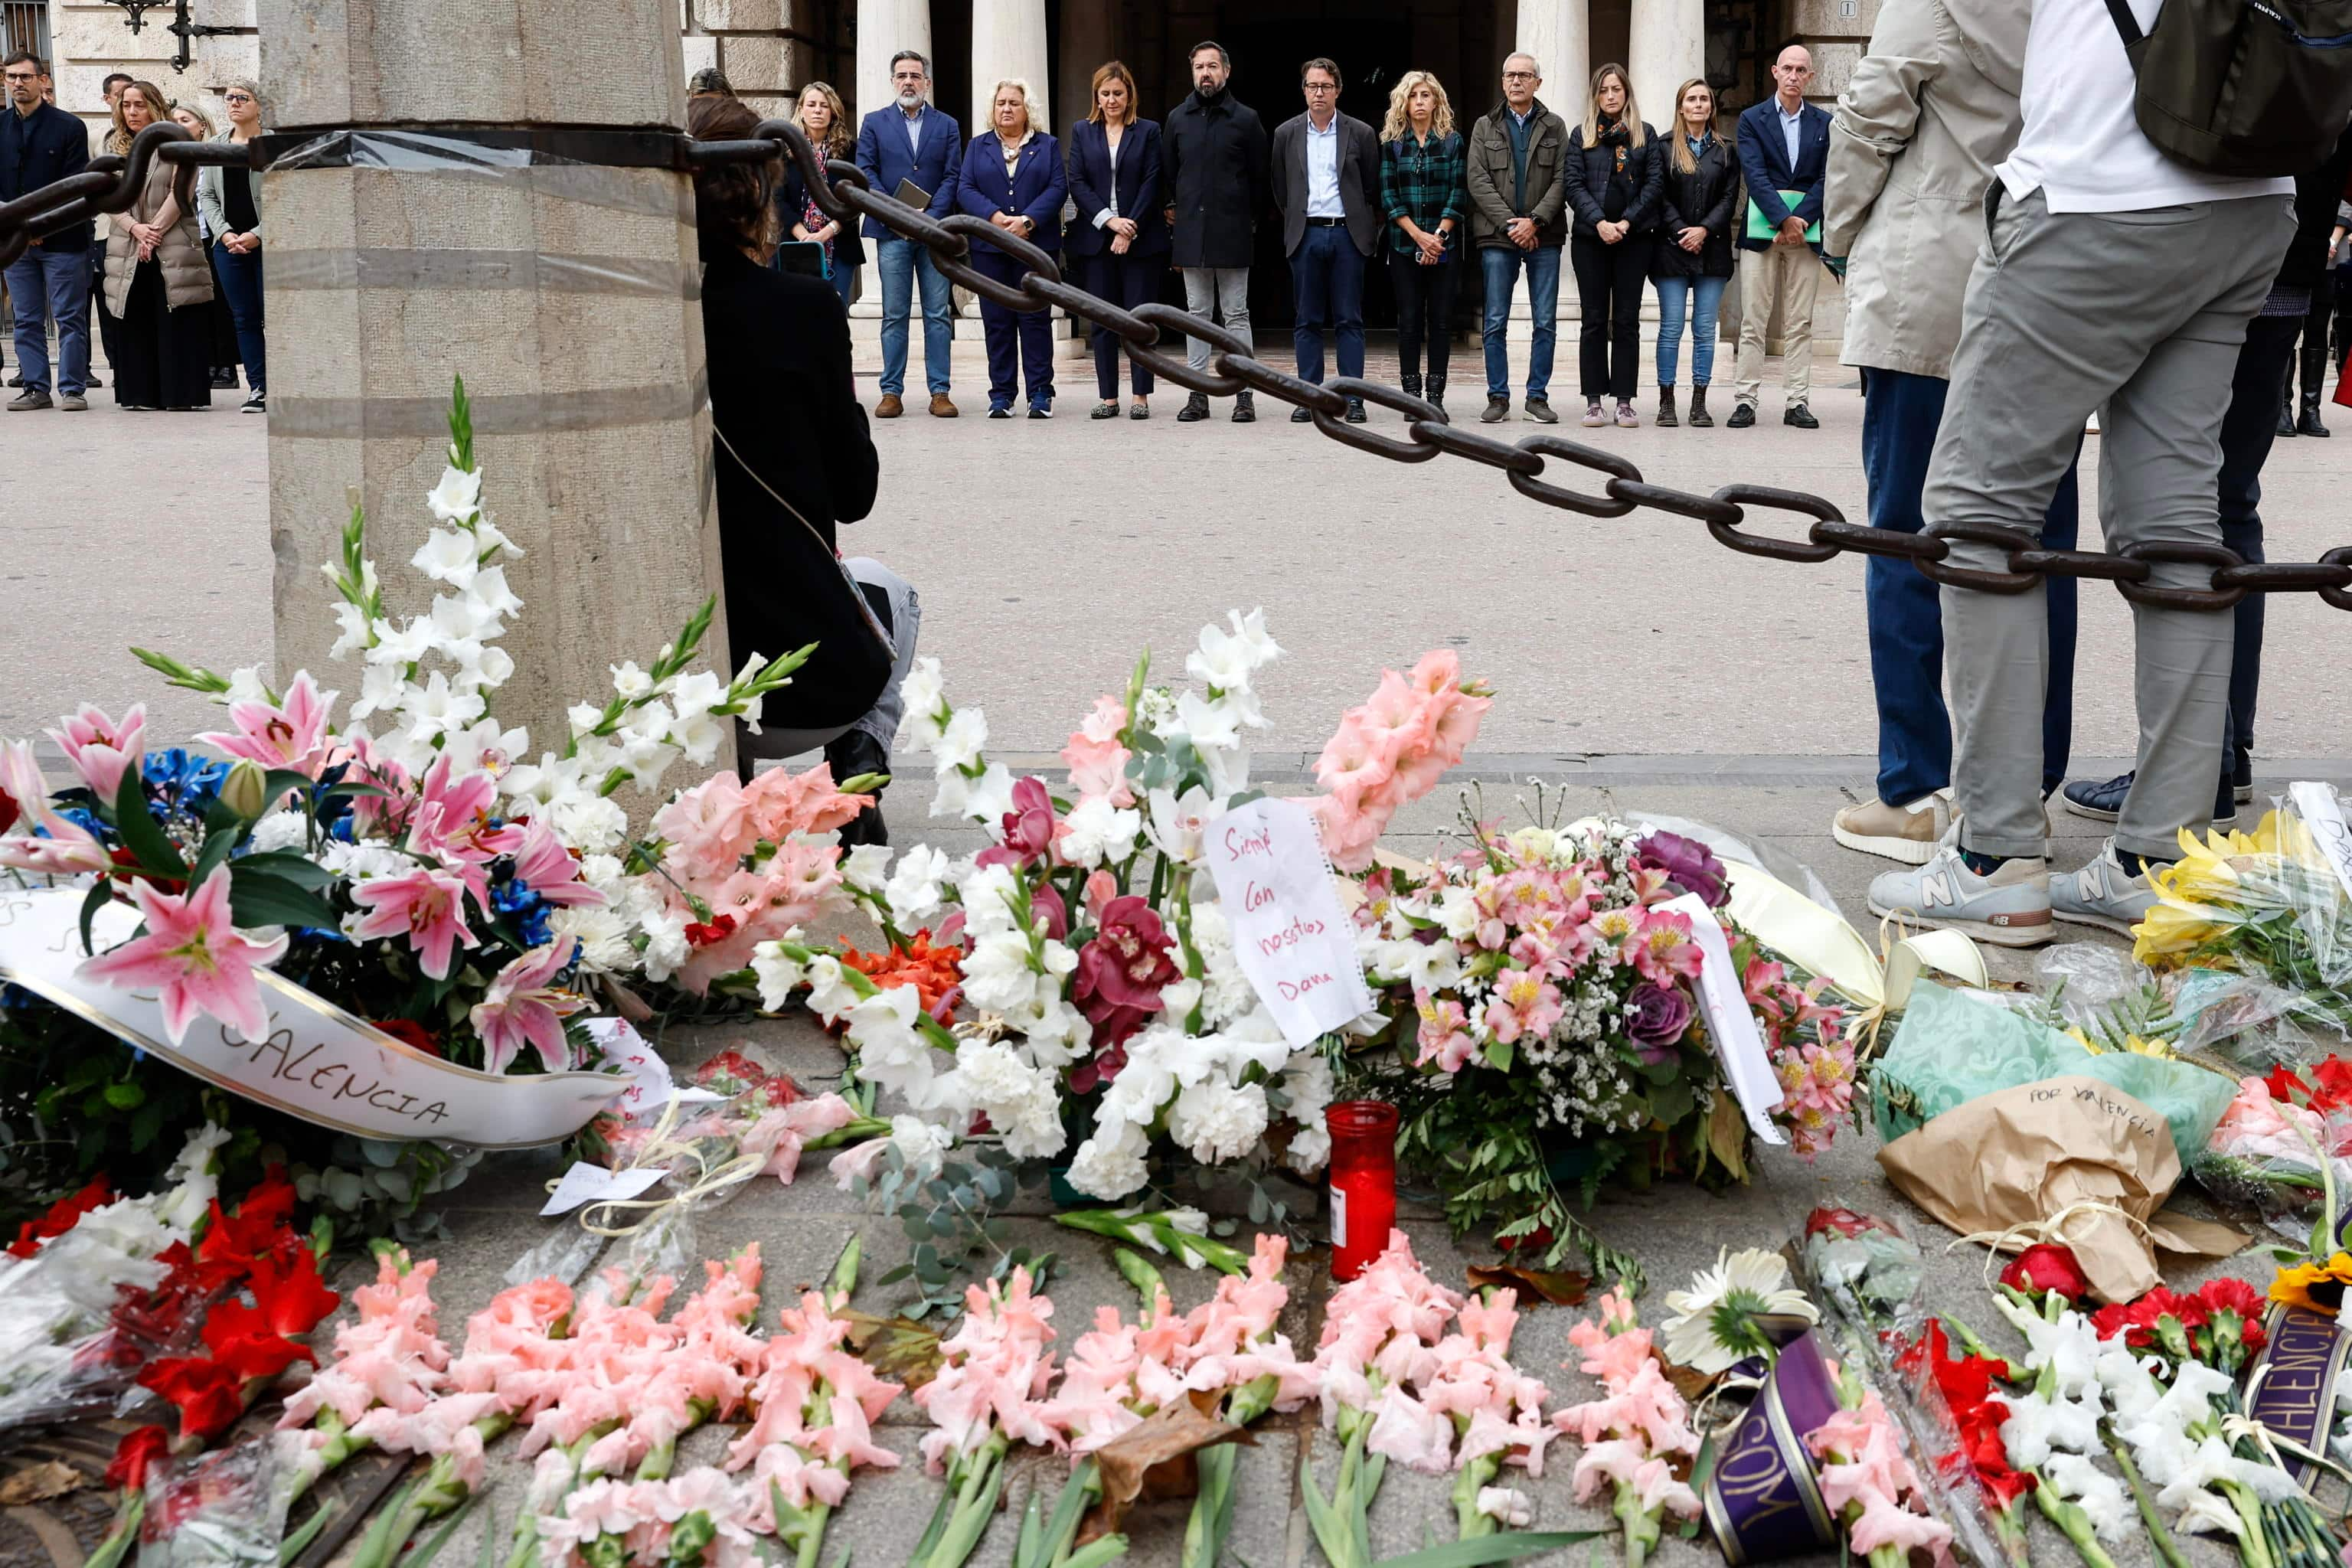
column 840, row 191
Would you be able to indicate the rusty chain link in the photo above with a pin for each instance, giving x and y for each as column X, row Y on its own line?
column 840, row 191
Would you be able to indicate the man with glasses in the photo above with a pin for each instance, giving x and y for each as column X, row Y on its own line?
column 39, row 146
column 909, row 139
column 1326, row 186
column 1519, row 219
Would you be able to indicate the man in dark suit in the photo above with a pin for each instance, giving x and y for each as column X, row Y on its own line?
column 1784, row 146
column 40, row 145
column 1327, row 183
column 1212, row 155
column 911, row 139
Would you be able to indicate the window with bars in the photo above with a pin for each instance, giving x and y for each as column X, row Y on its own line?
column 24, row 25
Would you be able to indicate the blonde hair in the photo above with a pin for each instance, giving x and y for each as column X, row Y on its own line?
column 158, row 106
column 1678, row 149
column 1020, row 85
column 1399, row 124
column 199, row 115
column 839, row 140
column 1631, row 115
column 1111, row 71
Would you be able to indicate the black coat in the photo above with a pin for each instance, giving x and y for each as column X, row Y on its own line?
column 778, row 354
column 40, row 148
column 2317, row 193
column 1136, row 182
column 1707, row 198
column 1584, row 176
column 1213, row 163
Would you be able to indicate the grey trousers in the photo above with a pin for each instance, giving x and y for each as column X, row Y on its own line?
column 1220, row 294
column 881, row 721
column 2140, row 315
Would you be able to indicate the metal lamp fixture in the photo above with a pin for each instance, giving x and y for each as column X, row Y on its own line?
column 135, row 13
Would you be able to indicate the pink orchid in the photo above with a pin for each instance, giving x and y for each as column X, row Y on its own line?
column 543, row 865
column 195, row 954
column 100, row 749
column 522, row 1008
column 426, row 905
column 294, row 736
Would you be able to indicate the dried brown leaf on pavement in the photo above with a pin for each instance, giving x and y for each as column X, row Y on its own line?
column 899, row 1349
column 1560, row 1288
column 1155, row 1460
column 38, row 1483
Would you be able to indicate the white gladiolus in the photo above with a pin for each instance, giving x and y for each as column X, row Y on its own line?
column 962, row 741
column 458, row 496
column 914, row 891
column 779, row 975
column 448, row 555
column 1099, row 833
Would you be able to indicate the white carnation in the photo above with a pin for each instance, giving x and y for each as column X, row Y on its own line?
column 1110, row 1163
column 282, row 830
column 666, row 950
column 1217, row 1122
column 602, row 935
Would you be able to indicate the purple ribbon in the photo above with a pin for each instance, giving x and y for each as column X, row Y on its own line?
column 1762, row 1499
column 2292, row 1383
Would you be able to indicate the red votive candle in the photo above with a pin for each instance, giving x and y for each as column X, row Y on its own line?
column 1363, row 1182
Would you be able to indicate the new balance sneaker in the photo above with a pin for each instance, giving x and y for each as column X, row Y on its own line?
column 1904, row 833
column 2009, row 908
column 2102, row 894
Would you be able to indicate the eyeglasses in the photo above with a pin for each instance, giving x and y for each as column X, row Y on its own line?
column 237, row 98
column 23, row 76
column 1520, row 76
column 1321, row 86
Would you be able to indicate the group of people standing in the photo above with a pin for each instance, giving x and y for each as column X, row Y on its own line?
column 175, row 279
column 1128, row 197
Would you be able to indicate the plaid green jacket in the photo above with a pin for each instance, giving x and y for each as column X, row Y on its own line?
column 1425, row 181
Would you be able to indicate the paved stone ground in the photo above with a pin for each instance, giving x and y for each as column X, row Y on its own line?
column 1638, row 662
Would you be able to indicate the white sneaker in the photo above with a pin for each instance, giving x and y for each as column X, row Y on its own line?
column 2009, row 908
column 2103, row 894
column 1906, row 832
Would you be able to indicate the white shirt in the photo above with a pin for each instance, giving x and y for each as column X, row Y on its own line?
column 2081, row 145
column 1323, row 170
column 1110, row 207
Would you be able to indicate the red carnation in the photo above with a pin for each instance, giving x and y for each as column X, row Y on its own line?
column 62, row 1214
column 2118, row 1319
column 2231, row 1294
column 711, row 932
column 2163, row 1303
column 138, row 1450
column 209, row 1394
column 2045, row 1269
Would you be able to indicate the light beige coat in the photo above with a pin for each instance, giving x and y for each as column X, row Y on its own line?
column 187, row 274
column 1929, row 110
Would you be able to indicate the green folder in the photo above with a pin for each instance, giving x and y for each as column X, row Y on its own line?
column 1759, row 229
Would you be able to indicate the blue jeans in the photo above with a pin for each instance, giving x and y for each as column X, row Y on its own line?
column 902, row 261
column 1900, row 413
column 1675, row 296
column 240, row 278
column 1327, row 287
column 1499, row 265
column 52, row 280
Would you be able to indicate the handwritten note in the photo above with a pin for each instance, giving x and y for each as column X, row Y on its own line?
column 1294, row 942
column 649, row 1084
column 2323, row 814
column 1737, row 1044
column 587, row 1183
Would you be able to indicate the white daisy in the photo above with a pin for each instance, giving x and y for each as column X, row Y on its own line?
column 1715, row 1324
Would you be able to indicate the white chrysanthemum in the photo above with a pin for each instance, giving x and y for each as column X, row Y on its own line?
column 1714, row 1325
column 282, row 830
column 588, row 822
column 602, row 936
column 1217, row 1122
column 1110, row 1164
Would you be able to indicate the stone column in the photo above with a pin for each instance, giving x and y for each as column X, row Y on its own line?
column 884, row 28
column 1008, row 39
column 1667, row 47
column 564, row 294
column 1087, row 43
column 1559, row 35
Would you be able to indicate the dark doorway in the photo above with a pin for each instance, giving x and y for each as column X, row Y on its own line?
column 1270, row 41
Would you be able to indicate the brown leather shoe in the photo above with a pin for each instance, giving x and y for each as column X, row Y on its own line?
column 941, row 408
column 890, row 407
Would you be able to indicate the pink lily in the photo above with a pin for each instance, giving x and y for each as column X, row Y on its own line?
column 294, row 736
column 100, row 749
column 544, row 866
column 198, row 958
column 453, row 818
column 523, row 1007
column 427, row 906
column 50, row 846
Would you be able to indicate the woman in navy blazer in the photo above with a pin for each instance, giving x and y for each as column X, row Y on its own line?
column 1119, row 235
column 1012, row 176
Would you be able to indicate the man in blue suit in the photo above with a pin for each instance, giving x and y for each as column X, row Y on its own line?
column 39, row 146
column 1784, row 147
column 911, row 139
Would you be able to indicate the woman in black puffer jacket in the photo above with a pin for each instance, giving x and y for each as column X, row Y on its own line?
column 1613, row 177
column 1694, row 259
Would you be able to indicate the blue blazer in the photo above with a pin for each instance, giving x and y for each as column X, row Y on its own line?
column 40, row 148
column 1136, row 184
column 1036, row 193
column 1764, row 162
column 885, row 158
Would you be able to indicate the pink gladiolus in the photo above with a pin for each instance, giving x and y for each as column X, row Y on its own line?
column 782, row 1131
column 522, row 1008
column 100, row 750
column 294, row 736
column 783, row 804
column 426, row 905
column 1098, row 762
column 1411, row 1433
column 194, row 954
column 708, row 828
column 1655, row 1486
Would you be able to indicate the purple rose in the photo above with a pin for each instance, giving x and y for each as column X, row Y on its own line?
column 1659, row 1019
column 1688, row 865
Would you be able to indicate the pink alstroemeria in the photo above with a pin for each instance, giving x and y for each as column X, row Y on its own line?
column 544, row 866
column 294, row 736
column 523, row 1007
column 427, row 906
column 100, row 749
column 195, row 956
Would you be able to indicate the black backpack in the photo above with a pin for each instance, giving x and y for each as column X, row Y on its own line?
column 2249, row 87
